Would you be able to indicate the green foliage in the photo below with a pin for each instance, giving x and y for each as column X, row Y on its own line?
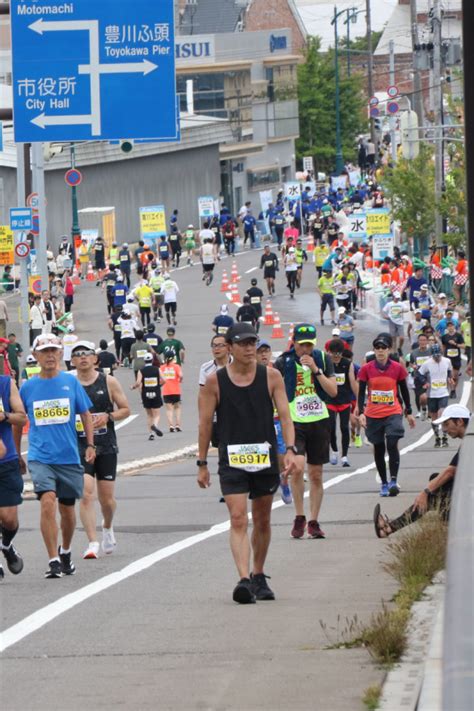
column 316, row 96
column 372, row 696
column 453, row 205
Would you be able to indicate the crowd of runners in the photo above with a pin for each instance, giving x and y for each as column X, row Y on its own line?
column 276, row 419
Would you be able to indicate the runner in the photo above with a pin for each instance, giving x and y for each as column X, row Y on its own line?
column 207, row 255
column 115, row 326
column 145, row 295
column 109, row 405
column 171, row 346
column 119, row 292
column 242, row 395
column 269, row 264
column 347, row 387
column 222, row 322
column 125, row 262
column 127, row 335
column 52, row 400
column 12, row 466
column 169, row 289
column 345, row 323
column 393, row 312
column 106, row 361
column 149, row 381
column 453, row 344
column 419, row 355
column 172, row 377
column 152, row 338
column 138, row 352
column 325, row 289
column 437, row 377
column 301, row 257
column 436, row 496
column 156, row 281
column 291, row 268
column 164, row 250
column 174, row 241
column 229, row 235
column 256, row 296
column 246, row 312
column 189, row 244
column 382, row 418
column 309, row 379
column 69, row 340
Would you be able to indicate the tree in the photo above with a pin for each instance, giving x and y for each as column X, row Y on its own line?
column 411, row 188
column 316, row 97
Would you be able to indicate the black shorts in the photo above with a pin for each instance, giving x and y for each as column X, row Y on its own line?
column 208, row 267
column 327, row 300
column 312, row 439
column 269, row 274
column 255, row 484
column 152, row 403
column 380, row 427
column 172, row 399
column 104, row 467
column 170, row 306
column 437, row 403
column 11, row 484
column 455, row 363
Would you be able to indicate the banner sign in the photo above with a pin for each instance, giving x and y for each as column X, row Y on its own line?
column 206, row 206
column 152, row 222
column 378, row 221
column 7, row 245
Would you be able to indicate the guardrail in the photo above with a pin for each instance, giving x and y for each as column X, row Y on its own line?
column 458, row 644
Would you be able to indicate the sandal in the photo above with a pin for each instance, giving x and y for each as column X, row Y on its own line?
column 381, row 528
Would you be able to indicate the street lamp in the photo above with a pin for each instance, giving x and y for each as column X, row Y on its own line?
column 352, row 15
column 339, row 156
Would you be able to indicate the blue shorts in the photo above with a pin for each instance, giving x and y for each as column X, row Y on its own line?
column 281, row 447
column 11, row 484
column 66, row 480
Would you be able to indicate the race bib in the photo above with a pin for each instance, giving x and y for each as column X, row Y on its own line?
column 308, row 406
column 255, row 300
column 152, row 341
column 382, row 397
column 345, row 327
column 2, row 409
column 437, row 384
column 117, row 327
column 269, row 262
column 249, row 457
column 141, row 354
column 151, row 382
column 97, row 432
column 421, row 359
column 80, row 427
column 123, row 258
column 107, row 371
column 340, row 378
column 395, row 311
column 119, row 292
column 52, row 412
column 222, row 330
column 145, row 301
column 168, row 374
column 416, row 294
column 452, row 352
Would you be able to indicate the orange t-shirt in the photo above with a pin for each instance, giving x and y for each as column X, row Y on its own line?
column 171, row 374
column 382, row 386
column 461, row 267
column 144, row 256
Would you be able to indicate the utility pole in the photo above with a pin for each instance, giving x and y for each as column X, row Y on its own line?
column 439, row 117
column 22, row 170
column 417, row 85
column 42, row 239
column 370, row 64
column 393, row 120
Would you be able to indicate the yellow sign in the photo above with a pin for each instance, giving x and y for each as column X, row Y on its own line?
column 152, row 221
column 378, row 222
column 7, row 245
column 34, row 284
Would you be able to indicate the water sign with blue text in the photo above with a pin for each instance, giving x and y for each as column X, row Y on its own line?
column 93, row 70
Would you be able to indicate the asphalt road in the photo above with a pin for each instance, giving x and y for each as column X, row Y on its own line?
column 153, row 626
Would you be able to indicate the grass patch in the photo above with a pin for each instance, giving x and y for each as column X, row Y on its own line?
column 371, row 697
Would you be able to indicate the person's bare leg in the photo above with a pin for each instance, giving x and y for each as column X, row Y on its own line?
column 297, row 486
column 87, row 508
column 239, row 540
column 315, row 475
column 48, row 523
column 261, row 533
column 68, row 524
column 108, row 504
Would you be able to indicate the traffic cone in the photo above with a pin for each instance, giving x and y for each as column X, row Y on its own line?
column 225, row 282
column 234, row 294
column 268, row 319
column 277, row 331
column 290, row 335
column 75, row 276
column 310, row 245
column 90, row 274
column 234, row 275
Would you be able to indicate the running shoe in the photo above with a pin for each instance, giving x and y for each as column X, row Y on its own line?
column 437, row 442
column 243, row 592
column 67, row 566
column 157, row 431
column 444, row 442
column 108, row 540
column 299, row 525
column 418, row 415
column 177, row 429
column 384, row 490
column 452, row 395
column 345, row 462
column 55, row 569
column 151, row 436
column 14, row 559
column 92, row 551
column 315, row 530
column 2, row 573
column 333, row 457
column 424, row 414
column 357, row 441
column 171, row 429
column 285, row 493
column 393, row 488
column 322, row 322
column 260, row 586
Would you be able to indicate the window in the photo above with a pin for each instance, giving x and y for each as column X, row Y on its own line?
column 257, row 179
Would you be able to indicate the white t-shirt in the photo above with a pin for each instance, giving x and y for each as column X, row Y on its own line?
column 69, row 341
column 127, row 326
column 438, row 376
column 169, row 289
column 395, row 311
column 206, row 234
column 207, row 253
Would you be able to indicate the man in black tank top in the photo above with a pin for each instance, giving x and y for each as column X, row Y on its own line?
column 242, row 395
column 110, row 405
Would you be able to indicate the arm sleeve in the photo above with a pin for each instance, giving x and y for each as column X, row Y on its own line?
column 361, row 396
column 405, row 393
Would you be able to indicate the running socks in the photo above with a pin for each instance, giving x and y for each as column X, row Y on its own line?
column 379, row 456
column 393, row 457
column 8, row 535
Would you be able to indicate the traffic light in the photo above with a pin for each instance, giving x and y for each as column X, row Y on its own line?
column 126, row 146
column 378, row 123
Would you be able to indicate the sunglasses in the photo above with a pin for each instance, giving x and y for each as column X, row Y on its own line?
column 306, row 329
column 380, row 346
column 80, row 354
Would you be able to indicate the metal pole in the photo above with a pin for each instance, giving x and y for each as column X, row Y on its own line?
column 339, row 157
column 370, row 63
column 417, row 85
column 348, row 13
column 393, row 120
column 438, row 108
column 75, row 230
column 42, row 240
column 21, row 198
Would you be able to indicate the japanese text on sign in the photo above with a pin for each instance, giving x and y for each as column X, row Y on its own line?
column 378, row 222
column 7, row 246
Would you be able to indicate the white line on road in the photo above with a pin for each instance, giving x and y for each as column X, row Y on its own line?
column 46, row 614
column 251, row 270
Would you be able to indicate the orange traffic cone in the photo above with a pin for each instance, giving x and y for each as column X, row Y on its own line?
column 268, row 319
column 277, row 331
column 90, row 274
column 234, row 294
column 75, row 276
column 290, row 335
column 310, row 245
column 234, row 275
column 225, row 282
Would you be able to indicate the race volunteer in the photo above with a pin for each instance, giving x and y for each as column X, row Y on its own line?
column 380, row 379
column 269, row 264
column 309, row 378
column 242, row 394
column 109, row 405
column 52, row 400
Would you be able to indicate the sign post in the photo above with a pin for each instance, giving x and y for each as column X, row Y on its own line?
column 206, row 207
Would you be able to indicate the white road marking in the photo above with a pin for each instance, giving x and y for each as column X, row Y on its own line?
column 41, row 617
column 251, row 270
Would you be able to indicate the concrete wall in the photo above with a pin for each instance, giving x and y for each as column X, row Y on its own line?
column 173, row 179
column 263, row 15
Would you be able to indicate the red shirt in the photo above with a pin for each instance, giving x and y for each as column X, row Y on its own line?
column 382, row 386
column 291, row 232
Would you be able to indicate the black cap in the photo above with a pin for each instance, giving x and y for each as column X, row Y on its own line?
column 382, row 340
column 240, row 332
column 304, row 333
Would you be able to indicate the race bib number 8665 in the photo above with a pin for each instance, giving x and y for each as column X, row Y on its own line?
column 52, row 412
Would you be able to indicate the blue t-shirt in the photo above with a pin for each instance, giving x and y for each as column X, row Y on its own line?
column 6, row 434
column 249, row 222
column 52, row 405
column 119, row 291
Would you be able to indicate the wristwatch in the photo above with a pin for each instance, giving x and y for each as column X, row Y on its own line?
column 293, row 448
column 201, row 462
column 91, row 445
column 427, row 491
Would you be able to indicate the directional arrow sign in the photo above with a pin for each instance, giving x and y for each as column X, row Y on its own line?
column 89, row 70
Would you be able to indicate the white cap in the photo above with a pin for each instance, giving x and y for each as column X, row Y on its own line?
column 417, row 311
column 441, row 296
column 70, row 328
column 166, row 275
column 341, row 310
column 130, row 299
column 148, row 356
column 31, row 359
column 396, row 294
column 424, row 287
column 453, row 412
column 46, row 340
column 291, row 249
column 336, row 332
column 119, row 277
column 84, row 345
column 224, row 309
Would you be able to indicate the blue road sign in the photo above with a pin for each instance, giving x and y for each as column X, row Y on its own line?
column 21, row 218
column 89, row 70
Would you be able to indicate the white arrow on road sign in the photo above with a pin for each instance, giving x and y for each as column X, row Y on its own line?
column 42, row 120
column 41, row 26
column 144, row 67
